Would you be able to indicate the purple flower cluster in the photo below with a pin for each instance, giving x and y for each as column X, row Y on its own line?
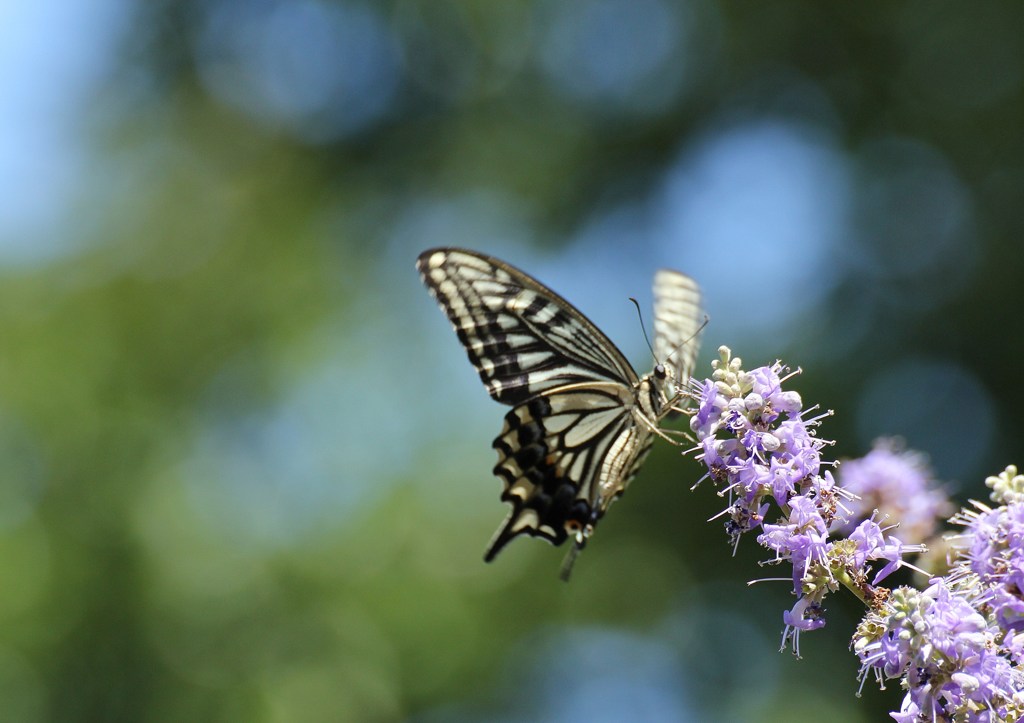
column 946, row 651
column 992, row 548
column 896, row 483
column 957, row 646
column 761, row 452
column 747, row 447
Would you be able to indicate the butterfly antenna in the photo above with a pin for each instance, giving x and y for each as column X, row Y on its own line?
column 690, row 338
column 640, row 315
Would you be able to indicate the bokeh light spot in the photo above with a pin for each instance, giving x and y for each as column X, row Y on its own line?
column 755, row 211
column 912, row 223
column 45, row 164
column 271, row 475
column 602, row 675
column 321, row 70
column 938, row 407
column 626, row 53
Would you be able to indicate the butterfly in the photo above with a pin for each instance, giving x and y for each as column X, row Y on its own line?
column 582, row 420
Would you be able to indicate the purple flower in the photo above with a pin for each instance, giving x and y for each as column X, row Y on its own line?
column 958, row 646
column 945, row 649
column 761, row 450
column 709, row 410
column 992, row 547
column 899, row 485
column 805, row 615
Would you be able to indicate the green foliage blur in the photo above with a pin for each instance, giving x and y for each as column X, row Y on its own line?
column 244, row 465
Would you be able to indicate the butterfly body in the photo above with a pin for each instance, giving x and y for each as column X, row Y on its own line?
column 582, row 421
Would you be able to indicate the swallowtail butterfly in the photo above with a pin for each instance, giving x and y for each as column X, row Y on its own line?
column 582, row 421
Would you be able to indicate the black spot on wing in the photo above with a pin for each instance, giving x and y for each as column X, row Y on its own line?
column 530, row 434
column 539, row 407
column 529, row 456
column 540, row 494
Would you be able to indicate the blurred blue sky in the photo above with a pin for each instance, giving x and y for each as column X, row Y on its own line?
column 54, row 58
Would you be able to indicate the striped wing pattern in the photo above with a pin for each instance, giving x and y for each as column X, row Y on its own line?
column 522, row 337
column 677, row 320
column 552, row 455
column 571, row 442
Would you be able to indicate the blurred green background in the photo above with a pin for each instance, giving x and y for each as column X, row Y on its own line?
column 244, row 464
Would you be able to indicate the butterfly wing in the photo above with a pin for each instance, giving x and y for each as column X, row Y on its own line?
column 571, row 429
column 563, row 456
column 677, row 321
column 521, row 336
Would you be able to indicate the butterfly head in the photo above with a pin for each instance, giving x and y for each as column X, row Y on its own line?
column 665, row 388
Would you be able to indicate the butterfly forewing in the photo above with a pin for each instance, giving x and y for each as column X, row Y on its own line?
column 522, row 337
column 677, row 320
column 573, row 440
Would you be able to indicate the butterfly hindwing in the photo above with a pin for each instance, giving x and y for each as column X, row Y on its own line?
column 553, row 452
